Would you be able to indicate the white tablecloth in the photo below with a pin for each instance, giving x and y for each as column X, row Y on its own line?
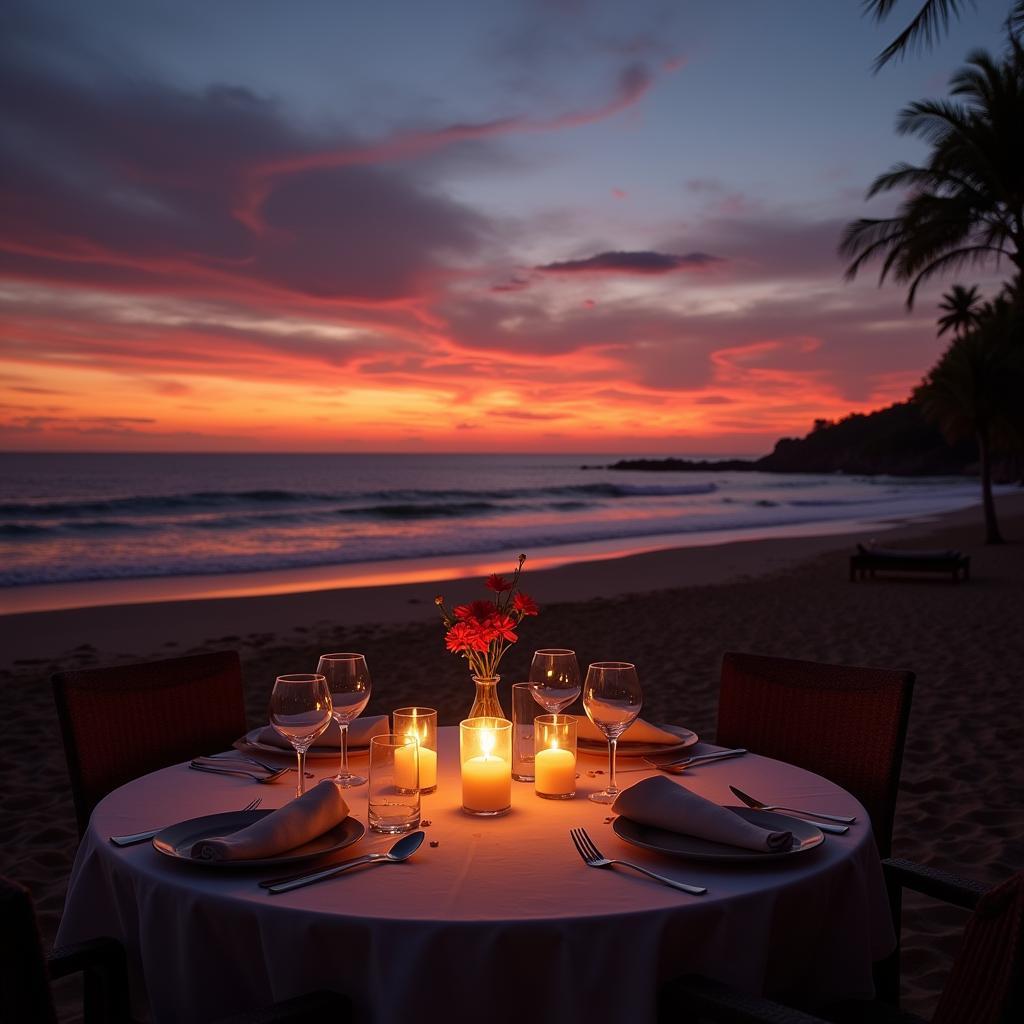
column 501, row 921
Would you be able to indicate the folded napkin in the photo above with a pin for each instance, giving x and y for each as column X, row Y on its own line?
column 639, row 732
column 660, row 802
column 298, row 822
column 359, row 733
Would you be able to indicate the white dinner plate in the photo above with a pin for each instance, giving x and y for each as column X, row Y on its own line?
column 250, row 741
column 177, row 840
column 687, row 738
column 805, row 837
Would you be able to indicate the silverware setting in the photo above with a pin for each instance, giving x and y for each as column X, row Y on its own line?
column 205, row 766
column 141, row 837
column 680, row 766
column 246, row 759
column 214, row 761
column 836, row 830
column 593, row 858
column 400, row 851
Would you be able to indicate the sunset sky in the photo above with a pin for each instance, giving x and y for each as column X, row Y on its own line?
column 450, row 226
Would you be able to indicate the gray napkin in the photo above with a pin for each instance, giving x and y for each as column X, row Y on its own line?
column 665, row 804
column 359, row 733
column 298, row 822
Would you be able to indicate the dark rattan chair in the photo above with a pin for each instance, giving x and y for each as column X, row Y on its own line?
column 120, row 723
column 26, row 971
column 847, row 724
column 984, row 987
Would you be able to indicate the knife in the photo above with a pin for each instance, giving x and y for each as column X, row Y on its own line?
column 836, row 830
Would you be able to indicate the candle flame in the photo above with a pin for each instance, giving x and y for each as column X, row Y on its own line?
column 554, row 744
column 487, row 741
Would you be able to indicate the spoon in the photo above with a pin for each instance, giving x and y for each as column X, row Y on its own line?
column 402, row 850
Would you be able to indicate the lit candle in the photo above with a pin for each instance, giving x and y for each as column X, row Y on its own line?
column 555, row 771
column 428, row 764
column 486, row 779
column 420, row 724
column 406, row 776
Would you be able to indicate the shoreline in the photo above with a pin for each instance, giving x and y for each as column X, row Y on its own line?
column 321, row 603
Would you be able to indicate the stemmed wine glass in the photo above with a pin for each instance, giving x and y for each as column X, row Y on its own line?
column 300, row 710
column 554, row 678
column 348, row 680
column 612, row 699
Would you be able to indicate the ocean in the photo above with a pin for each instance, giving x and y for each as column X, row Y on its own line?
column 68, row 518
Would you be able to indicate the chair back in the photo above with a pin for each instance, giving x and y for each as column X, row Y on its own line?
column 985, row 985
column 847, row 724
column 120, row 723
column 24, row 983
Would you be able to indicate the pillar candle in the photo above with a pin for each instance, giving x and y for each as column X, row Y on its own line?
column 405, row 767
column 555, row 771
column 486, row 783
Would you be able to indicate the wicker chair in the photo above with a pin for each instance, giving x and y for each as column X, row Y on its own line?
column 847, row 724
column 985, row 986
column 26, row 971
column 120, row 723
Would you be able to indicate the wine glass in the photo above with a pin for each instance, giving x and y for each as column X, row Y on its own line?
column 554, row 679
column 300, row 710
column 612, row 699
column 348, row 680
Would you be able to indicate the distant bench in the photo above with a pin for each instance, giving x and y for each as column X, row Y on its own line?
column 867, row 561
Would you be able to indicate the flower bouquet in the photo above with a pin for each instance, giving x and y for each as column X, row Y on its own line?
column 482, row 631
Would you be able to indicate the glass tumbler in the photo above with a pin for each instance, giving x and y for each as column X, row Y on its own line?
column 394, row 784
column 525, row 710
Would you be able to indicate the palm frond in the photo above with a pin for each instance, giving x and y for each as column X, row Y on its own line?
column 930, row 22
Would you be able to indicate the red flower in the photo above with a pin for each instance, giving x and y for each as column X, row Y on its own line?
column 525, row 605
column 482, row 633
column 459, row 638
column 503, row 626
column 498, row 583
column 475, row 610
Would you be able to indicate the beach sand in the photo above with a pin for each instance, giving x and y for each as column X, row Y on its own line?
column 673, row 613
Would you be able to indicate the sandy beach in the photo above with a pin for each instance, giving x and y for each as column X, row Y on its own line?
column 672, row 612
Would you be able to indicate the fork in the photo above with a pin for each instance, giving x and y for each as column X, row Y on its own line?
column 245, row 759
column 141, row 837
column 593, row 858
column 678, row 767
column 272, row 777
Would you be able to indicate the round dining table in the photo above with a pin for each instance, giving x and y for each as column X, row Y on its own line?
column 493, row 919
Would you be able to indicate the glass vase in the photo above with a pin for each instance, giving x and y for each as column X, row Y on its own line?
column 486, row 703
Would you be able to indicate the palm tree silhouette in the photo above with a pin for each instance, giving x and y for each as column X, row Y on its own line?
column 966, row 203
column 930, row 22
column 974, row 391
column 961, row 309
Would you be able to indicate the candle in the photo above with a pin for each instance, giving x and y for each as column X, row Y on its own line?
column 486, row 783
column 420, row 724
column 409, row 774
column 555, row 756
column 404, row 766
column 555, row 771
column 486, row 774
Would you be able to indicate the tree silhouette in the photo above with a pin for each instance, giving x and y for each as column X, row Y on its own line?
column 974, row 389
column 930, row 22
column 965, row 205
column 961, row 309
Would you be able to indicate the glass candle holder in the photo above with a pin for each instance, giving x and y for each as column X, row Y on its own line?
column 554, row 738
column 421, row 725
column 393, row 790
column 485, row 754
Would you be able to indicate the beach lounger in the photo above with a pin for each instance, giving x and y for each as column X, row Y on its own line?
column 868, row 561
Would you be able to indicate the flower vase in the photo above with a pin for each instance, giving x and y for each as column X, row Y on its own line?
column 486, row 703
